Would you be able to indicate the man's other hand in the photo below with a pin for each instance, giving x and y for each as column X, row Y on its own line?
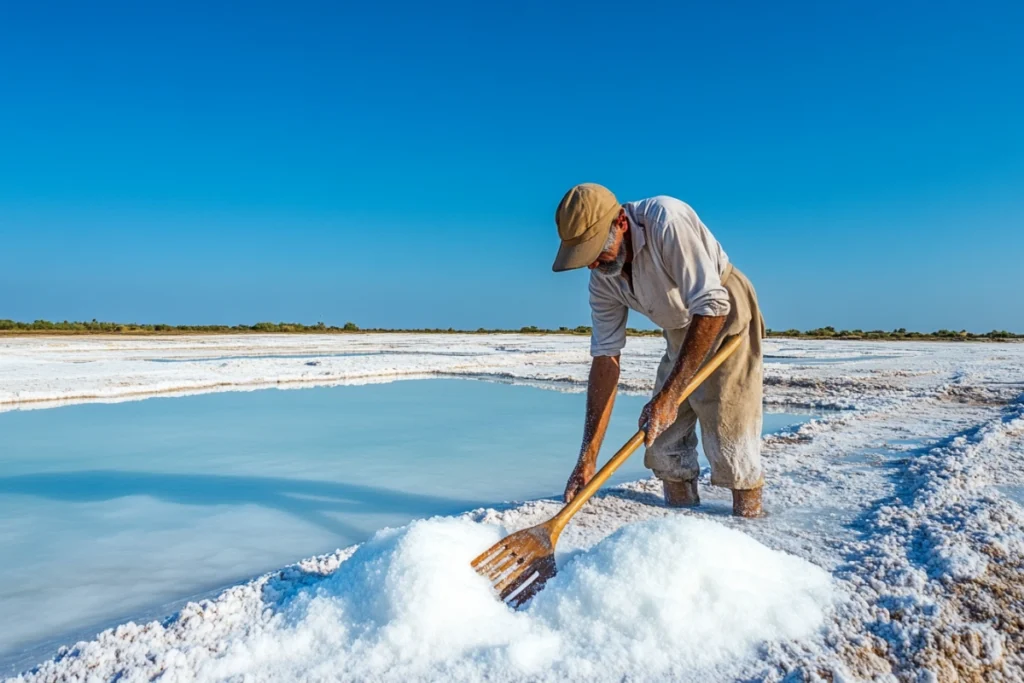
column 580, row 477
column 658, row 415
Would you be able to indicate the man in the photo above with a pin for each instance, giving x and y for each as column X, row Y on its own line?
column 655, row 256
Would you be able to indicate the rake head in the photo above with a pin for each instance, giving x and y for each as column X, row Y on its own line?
column 519, row 565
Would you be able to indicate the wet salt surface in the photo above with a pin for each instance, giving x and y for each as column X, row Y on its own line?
column 116, row 511
column 1014, row 493
column 277, row 356
column 809, row 360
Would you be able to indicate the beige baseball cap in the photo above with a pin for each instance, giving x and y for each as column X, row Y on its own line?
column 584, row 219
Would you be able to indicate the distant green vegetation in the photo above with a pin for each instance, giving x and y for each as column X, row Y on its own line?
column 98, row 327
column 898, row 334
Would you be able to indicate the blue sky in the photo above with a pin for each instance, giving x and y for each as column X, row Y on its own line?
column 399, row 164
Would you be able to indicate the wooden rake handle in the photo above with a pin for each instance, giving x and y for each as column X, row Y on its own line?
column 571, row 508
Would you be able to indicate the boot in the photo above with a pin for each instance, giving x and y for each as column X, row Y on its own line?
column 747, row 503
column 681, row 494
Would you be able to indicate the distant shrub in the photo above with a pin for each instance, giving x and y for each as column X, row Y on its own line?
column 99, row 327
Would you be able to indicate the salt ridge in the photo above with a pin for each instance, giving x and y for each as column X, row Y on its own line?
column 48, row 371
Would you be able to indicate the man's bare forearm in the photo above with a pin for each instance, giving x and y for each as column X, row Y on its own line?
column 700, row 337
column 601, row 390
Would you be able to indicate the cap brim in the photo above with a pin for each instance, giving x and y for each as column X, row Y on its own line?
column 582, row 254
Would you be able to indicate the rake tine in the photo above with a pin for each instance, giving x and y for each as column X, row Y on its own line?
column 537, row 575
column 485, row 558
column 543, row 568
column 488, row 568
column 514, row 588
column 521, row 595
column 507, row 588
column 504, row 573
column 531, row 581
column 510, row 580
column 514, row 595
column 499, row 559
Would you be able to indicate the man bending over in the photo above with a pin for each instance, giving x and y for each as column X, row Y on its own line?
column 655, row 256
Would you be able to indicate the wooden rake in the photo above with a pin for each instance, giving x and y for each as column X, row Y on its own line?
column 520, row 564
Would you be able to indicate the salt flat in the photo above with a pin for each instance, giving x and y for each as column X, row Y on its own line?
column 899, row 495
column 47, row 371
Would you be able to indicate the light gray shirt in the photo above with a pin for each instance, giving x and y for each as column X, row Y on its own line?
column 677, row 273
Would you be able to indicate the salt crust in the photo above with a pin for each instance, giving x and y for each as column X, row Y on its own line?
column 899, row 496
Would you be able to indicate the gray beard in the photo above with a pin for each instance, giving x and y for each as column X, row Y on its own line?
column 615, row 267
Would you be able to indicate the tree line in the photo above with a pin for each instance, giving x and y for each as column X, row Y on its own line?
column 899, row 333
column 98, row 327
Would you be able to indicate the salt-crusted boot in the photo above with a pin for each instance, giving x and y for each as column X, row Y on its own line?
column 681, row 494
column 747, row 502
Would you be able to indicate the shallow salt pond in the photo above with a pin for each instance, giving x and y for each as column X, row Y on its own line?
column 119, row 511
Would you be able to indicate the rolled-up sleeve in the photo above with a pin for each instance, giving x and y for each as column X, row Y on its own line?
column 688, row 261
column 608, row 316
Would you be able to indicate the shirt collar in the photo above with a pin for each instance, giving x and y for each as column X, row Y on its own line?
column 636, row 230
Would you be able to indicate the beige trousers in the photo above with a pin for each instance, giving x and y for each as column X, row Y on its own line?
column 727, row 404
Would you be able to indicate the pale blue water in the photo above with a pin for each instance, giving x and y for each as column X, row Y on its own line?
column 1014, row 493
column 123, row 510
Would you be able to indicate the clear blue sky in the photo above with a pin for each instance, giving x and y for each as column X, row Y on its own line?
column 399, row 164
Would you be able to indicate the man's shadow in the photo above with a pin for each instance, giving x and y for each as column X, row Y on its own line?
column 323, row 503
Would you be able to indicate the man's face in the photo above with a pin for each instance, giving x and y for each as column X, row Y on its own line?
column 610, row 261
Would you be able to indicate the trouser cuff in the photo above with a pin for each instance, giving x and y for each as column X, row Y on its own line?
column 737, row 484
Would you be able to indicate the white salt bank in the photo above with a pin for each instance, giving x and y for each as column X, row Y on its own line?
column 676, row 597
